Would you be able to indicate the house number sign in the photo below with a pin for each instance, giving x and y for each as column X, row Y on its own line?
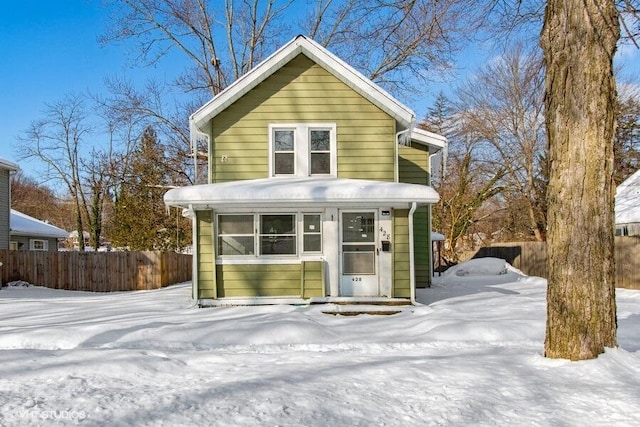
column 385, row 234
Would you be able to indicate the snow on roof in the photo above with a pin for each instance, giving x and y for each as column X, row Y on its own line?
column 627, row 206
column 25, row 225
column 432, row 140
column 303, row 45
column 435, row 236
column 285, row 192
column 6, row 164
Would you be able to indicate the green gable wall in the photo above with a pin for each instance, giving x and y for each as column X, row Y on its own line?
column 302, row 91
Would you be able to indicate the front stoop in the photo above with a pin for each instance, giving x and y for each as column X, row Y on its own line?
column 345, row 309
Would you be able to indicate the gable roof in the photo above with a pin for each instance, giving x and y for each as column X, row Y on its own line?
column 404, row 116
column 627, row 206
column 25, row 225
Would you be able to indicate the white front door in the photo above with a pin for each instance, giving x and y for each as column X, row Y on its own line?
column 358, row 253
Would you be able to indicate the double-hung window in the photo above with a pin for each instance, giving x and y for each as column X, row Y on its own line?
column 302, row 149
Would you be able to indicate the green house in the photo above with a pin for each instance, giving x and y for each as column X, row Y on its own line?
column 318, row 187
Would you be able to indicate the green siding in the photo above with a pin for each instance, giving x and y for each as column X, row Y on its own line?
column 206, row 256
column 259, row 280
column 313, row 279
column 413, row 163
column 401, row 271
column 302, row 91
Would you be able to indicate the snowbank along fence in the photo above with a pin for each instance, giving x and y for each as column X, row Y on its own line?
column 531, row 258
column 96, row 271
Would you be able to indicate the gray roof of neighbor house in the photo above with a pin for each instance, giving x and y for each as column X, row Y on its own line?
column 25, row 225
column 6, row 164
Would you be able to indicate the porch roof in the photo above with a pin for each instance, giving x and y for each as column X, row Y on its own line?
column 301, row 192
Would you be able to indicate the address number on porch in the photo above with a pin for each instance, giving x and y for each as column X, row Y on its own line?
column 356, row 279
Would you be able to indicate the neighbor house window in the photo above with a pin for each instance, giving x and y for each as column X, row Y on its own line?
column 302, row 149
column 235, row 235
column 13, row 246
column 38, row 245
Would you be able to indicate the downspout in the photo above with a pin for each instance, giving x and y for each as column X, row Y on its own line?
column 412, row 267
column 445, row 153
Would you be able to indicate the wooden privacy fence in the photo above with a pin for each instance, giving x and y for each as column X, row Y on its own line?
column 96, row 271
column 531, row 258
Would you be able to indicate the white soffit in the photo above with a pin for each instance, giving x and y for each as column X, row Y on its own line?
column 301, row 44
column 289, row 192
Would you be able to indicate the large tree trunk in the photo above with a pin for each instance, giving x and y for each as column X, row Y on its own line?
column 579, row 39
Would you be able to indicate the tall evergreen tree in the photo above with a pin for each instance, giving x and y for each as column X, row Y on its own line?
column 140, row 220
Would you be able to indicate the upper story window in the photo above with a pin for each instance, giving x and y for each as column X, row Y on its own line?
column 302, row 149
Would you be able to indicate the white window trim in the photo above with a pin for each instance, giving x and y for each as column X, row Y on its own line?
column 302, row 149
column 32, row 244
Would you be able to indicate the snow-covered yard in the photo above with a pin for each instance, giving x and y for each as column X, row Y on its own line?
column 471, row 355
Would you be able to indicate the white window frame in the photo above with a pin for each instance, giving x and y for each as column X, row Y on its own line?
column 302, row 148
column 32, row 244
column 257, row 256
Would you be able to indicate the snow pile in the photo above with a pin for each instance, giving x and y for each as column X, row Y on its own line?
column 471, row 355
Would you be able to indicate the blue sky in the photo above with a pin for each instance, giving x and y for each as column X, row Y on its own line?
column 50, row 49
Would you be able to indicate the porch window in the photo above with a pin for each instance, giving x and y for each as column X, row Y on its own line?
column 235, row 235
column 302, row 149
column 269, row 234
column 312, row 233
column 277, row 234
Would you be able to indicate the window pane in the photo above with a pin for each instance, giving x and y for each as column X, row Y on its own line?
column 277, row 224
column 320, row 163
column 357, row 227
column 358, row 263
column 312, row 223
column 235, row 245
column 283, row 140
column 320, row 140
column 277, row 245
column 235, row 224
column 312, row 243
column 284, row 164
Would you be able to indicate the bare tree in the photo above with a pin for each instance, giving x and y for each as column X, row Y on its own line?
column 503, row 105
column 468, row 182
column 58, row 140
column 580, row 111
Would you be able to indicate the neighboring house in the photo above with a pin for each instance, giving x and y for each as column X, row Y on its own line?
column 6, row 169
column 318, row 187
column 628, row 206
column 28, row 233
